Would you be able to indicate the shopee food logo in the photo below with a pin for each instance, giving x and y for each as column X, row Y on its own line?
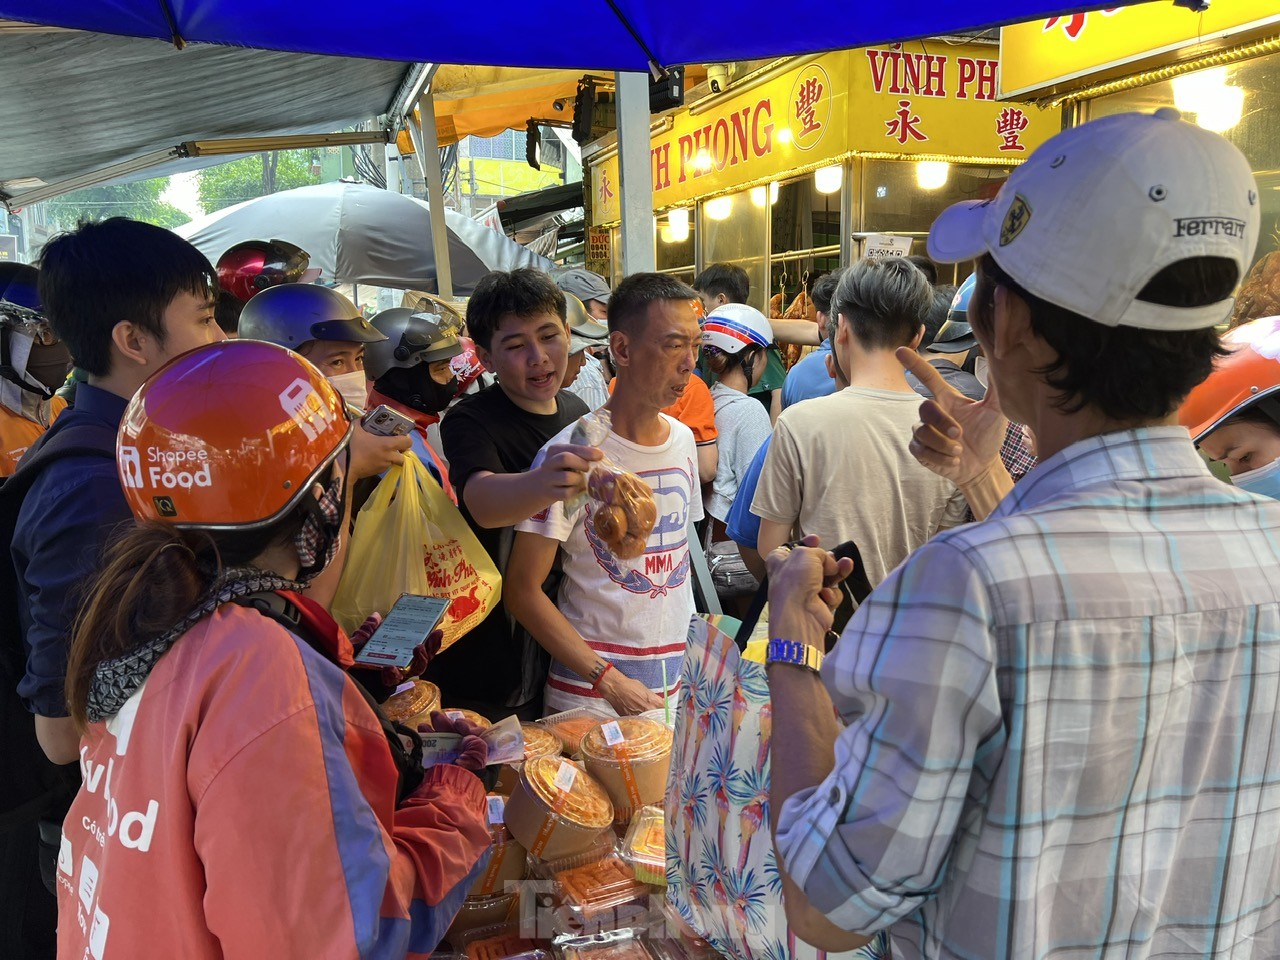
column 170, row 469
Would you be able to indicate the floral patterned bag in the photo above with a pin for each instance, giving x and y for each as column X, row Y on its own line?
column 722, row 872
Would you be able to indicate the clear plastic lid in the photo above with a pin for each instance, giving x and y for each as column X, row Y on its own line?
column 639, row 739
column 603, row 846
column 418, row 701
column 572, row 725
column 595, row 889
column 573, row 796
column 607, row 946
column 539, row 741
column 502, row 941
column 645, row 846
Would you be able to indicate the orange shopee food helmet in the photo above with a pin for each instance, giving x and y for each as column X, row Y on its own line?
column 230, row 435
column 1249, row 374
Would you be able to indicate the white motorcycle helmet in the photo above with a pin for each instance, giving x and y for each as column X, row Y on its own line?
column 733, row 327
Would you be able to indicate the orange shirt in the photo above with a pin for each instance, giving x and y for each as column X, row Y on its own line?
column 17, row 433
column 695, row 409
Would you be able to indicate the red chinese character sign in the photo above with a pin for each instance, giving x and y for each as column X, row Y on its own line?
column 809, row 106
column 905, row 125
column 606, row 189
column 1073, row 24
column 1009, row 127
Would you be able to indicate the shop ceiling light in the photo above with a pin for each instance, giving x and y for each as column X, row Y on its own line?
column 666, row 235
column 702, row 161
column 719, row 208
column 1223, row 112
column 1193, row 91
column 678, row 223
column 758, row 194
column 932, row 174
column 828, row 179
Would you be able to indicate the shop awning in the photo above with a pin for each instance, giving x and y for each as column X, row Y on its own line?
column 77, row 102
column 574, row 34
column 529, row 209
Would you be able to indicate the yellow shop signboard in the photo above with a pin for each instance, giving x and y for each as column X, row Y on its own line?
column 920, row 100
column 794, row 119
column 1067, row 51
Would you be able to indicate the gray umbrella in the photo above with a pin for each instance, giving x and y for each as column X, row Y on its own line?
column 356, row 233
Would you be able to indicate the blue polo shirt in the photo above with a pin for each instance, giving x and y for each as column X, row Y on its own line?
column 65, row 520
column 809, row 378
column 743, row 526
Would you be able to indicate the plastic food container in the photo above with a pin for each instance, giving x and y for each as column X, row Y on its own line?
column 480, row 912
column 600, row 891
column 673, row 939
column 645, row 846
column 572, row 725
column 557, row 810
column 508, row 862
column 613, row 948
column 631, row 756
column 660, row 715
column 413, row 707
column 501, row 942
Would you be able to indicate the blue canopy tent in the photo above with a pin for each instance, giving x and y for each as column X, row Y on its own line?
column 626, row 35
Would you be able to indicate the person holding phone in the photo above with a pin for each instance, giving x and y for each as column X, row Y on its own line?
column 239, row 798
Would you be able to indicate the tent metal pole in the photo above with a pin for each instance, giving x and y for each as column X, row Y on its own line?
column 634, row 179
column 429, row 157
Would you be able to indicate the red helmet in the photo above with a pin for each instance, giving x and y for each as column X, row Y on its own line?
column 229, row 435
column 1249, row 374
column 252, row 266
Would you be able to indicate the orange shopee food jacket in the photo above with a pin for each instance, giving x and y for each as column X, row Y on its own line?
column 242, row 805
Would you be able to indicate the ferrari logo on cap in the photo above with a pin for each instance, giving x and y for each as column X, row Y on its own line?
column 1015, row 221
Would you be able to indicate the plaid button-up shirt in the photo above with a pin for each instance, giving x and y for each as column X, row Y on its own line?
column 1063, row 732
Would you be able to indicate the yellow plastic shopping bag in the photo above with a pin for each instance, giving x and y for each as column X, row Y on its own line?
column 410, row 538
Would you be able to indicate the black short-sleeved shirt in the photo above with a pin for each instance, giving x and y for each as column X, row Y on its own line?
column 487, row 432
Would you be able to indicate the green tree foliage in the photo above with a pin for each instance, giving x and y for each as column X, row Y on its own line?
column 257, row 176
column 139, row 200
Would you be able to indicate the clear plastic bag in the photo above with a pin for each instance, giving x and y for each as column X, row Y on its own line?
column 625, row 512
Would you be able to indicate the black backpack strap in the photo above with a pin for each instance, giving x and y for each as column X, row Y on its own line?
column 854, row 589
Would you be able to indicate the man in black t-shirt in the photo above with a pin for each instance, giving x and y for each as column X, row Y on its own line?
column 517, row 321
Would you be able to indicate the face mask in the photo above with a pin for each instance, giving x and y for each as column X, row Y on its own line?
column 352, row 387
column 1264, row 481
column 980, row 370
column 317, row 541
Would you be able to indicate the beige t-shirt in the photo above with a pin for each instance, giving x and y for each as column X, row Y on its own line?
column 839, row 467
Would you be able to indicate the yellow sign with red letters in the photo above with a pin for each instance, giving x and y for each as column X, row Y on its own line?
column 918, row 100
column 1071, row 50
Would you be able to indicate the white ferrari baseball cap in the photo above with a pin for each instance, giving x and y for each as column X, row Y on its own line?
column 1100, row 209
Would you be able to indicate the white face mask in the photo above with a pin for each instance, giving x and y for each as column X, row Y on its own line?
column 352, row 387
column 980, row 370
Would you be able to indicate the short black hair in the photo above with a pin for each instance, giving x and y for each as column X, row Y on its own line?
column 726, row 279
column 226, row 313
column 629, row 304
column 1127, row 373
column 110, row 271
column 884, row 301
column 937, row 315
column 925, row 266
column 502, row 293
column 824, row 290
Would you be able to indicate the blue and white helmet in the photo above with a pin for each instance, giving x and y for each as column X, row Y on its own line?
column 732, row 327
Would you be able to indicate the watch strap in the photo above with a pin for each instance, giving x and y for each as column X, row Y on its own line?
column 793, row 652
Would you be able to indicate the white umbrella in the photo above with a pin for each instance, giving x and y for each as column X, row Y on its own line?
column 357, row 233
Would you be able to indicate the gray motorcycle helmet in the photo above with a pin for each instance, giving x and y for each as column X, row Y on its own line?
column 412, row 338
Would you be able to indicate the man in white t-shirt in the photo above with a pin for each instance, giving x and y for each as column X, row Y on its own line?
column 618, row 628
column 839, row 466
